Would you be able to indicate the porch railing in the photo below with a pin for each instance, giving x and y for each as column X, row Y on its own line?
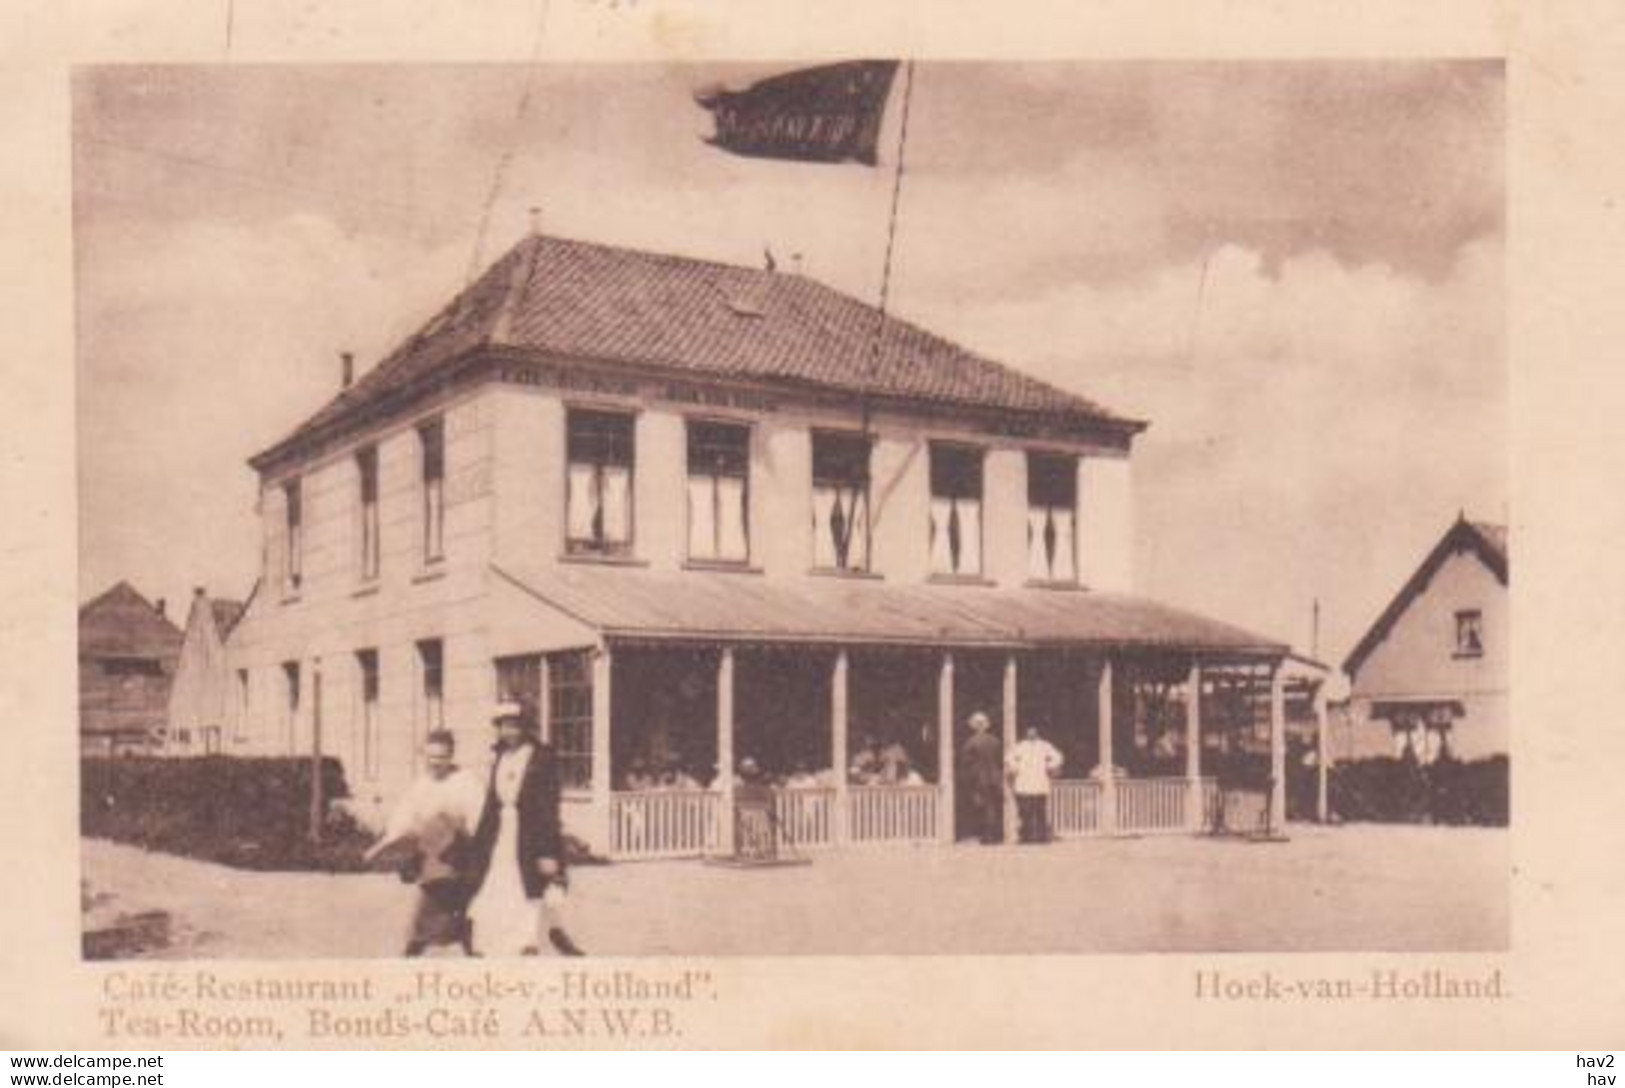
column 1145, row 806
column 806, row 817
column 684, row 823
column 1074, row 808
column 892, row 814
column 663, row 823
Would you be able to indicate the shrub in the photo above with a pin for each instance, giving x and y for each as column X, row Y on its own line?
column 1387, row 790
column 253, row 813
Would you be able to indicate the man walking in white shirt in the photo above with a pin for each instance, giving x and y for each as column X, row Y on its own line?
column 1030, row 766
column 438, row 815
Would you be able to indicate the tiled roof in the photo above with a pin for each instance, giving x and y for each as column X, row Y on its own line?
column 632, row 603
column 122, row 623
column 582, row 300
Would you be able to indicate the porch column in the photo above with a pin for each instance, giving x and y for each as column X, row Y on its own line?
column 602, row 802
column 1323, row 768
column 1010, row 732
column 837, row 744
column 1193, row 748
column 725, row 749
column 544, row 702
column 945, row 750
column 1108, row 781
column 1277, row 750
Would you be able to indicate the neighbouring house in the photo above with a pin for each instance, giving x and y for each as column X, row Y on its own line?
column 1431, row 673
column 687, row 513
column 127, row 654
column 203, row 718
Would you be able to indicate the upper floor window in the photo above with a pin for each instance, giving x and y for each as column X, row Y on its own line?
column 956, row 510
column 293, row 515
column 840, row 501
column 1052, row 508
column 1470, row 633
column 432, row 460
column 718, row 492
column 598, row 497
column 366, row 463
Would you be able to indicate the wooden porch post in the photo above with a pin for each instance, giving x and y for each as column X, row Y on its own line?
column 1193, row 748
column 945, row 750
column 838, row 741
column 1322, row 755
column 1277, row 750
column 1010, row 732
column 1108, row 780
column 544, row 701
column 601, row 747
column 725, row 749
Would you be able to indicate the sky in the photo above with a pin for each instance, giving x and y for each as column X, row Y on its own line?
column 1292, row 270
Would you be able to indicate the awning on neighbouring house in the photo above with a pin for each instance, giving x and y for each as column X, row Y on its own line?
column 629, row 603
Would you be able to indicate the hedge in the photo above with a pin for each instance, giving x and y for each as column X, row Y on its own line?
column 1380, row 790
column 253, row 813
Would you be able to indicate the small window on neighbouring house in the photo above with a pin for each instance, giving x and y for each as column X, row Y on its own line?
column 840, row 501
column 598, row 498
column 366, row 462
column 718, row 492
column 956, row 510
column 293, row 535
column 366, row 662
column 1470, row 633
column 1052, row 517
column 432, row 461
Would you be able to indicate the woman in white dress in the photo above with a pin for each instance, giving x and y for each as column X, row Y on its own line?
column 519, row 842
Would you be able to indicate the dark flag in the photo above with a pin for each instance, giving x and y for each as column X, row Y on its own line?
column 826, row 114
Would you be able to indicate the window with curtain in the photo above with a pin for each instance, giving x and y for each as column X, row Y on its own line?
column 598, row 499
column 956, row 510
column 1052, row 517
column 366, row 463
column 840, row 501
column 718, row 492
column 432, row 462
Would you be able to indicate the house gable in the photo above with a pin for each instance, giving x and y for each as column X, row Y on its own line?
column 1466, row 572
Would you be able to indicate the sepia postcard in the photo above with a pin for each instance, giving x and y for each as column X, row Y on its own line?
column 634, row 524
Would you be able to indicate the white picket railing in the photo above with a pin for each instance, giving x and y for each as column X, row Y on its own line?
column 684, row 823
column 806, row 817
column 891, row 814
column 663, row 823
column 1149, row 806
column 1145, row 806
column 1074, row 808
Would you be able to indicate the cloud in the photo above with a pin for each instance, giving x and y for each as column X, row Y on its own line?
column 1310, row 428
column 202, row 343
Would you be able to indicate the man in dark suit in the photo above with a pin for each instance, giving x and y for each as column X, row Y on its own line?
column 520, row 843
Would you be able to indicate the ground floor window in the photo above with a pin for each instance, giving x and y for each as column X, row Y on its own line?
column 569, row 702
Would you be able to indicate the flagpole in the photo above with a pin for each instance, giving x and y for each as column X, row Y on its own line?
column 891, row 243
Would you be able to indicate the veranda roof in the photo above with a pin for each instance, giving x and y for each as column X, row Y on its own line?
column 629, row 603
